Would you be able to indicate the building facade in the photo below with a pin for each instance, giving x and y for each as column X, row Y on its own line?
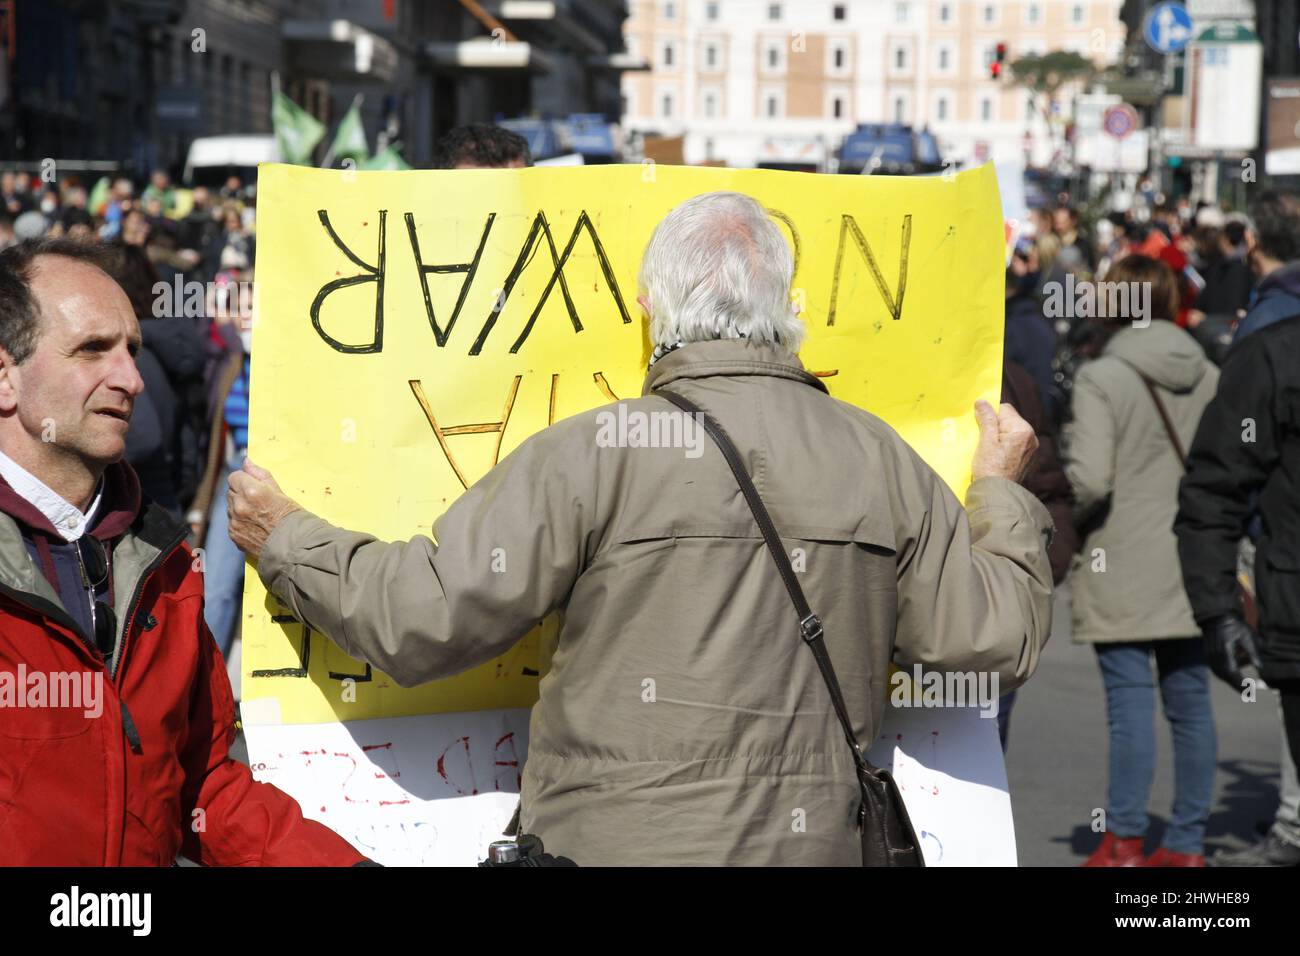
column 130, row 83
column 767, row 83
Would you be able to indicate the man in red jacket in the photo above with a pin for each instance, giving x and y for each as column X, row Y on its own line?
column 116, row 716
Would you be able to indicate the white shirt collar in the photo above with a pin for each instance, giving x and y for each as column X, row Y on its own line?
column 68, row 520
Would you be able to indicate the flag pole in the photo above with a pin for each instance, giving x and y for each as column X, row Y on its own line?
column 328, row 161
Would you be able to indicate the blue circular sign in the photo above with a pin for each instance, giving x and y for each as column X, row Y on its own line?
column 1168, row 28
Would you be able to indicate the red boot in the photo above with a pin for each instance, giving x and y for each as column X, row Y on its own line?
column 1117, row 851
column 1163, row 857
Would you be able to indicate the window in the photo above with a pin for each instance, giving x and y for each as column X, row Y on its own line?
column 837, row 107
column 710, row 104
column 667, row 57
column 666, row 106
column 838, row 58
column 900, row 110
column 945, row 59
column 941, row 109
column 1032, row 14
column 990, row 13
column 772, row 106
column 774, row 56
column 902, row 12
column 986, row 109
column 774, row 11
column 945, row 13
column 710, row 11
column 670, row 10
column 711, row 56
column 900, row 58
column 839, row 12
column 1076, row 13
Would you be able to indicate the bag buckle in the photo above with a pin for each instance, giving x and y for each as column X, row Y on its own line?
column 810, row 628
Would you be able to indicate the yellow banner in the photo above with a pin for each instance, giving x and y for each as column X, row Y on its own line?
column 414, row 327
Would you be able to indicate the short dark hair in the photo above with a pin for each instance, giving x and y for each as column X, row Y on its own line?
column 482, row 145
column 20, row 319
column 1276, row 226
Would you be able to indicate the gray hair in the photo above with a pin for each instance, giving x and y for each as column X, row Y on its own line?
column 718, row 268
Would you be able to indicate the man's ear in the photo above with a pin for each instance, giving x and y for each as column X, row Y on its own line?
column 9, row 375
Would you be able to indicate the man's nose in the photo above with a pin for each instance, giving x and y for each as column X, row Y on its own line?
column 126, row 376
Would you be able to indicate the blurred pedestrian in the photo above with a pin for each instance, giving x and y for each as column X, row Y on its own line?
column 481, row 146
column 1065, row 220
column 1273, row 244
column 1046, row 481
column 1130, row 409
column 1246, row 459
column 227, row 447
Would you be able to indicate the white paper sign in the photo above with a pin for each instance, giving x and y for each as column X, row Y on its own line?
column 435, row 790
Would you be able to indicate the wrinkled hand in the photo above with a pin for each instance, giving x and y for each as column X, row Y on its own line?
column 1007, row 443
column 256, row 506
column 1230, row 644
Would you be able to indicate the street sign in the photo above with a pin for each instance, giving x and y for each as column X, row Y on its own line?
column 1120, row 120
column 1168, row 28
column 1225, row 66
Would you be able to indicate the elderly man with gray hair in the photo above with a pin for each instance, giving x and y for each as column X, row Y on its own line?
column 681, row 722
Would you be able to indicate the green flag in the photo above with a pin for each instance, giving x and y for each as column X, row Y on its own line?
column 98, row 198
column 296, row 130
column 350, row 137
column 386, row 158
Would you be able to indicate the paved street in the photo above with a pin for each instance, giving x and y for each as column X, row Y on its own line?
column 1057, row 758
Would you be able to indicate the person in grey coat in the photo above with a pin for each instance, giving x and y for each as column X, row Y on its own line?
column 1133, row 411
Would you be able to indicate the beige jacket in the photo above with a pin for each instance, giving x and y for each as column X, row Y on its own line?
column 1126, row 582
column 660, row 574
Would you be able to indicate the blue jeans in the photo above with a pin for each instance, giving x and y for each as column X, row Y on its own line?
column 223, row 572
column 1130, row 710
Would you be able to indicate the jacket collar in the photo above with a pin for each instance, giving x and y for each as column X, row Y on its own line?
column 727, row 357
column 118, row 507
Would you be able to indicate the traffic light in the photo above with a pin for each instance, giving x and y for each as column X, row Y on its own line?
column 999, row 59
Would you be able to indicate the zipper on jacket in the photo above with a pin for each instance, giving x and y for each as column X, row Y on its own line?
column 56, row 614
column 119, row 650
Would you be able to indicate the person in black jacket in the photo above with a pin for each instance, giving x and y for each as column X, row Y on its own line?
column 161, row 443
column 1246, row 459
column 1047, row 481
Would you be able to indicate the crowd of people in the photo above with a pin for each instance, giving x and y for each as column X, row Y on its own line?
column 1166, row 456
column 1170, row 395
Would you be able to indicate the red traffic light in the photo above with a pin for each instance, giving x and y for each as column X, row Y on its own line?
column 995, row 70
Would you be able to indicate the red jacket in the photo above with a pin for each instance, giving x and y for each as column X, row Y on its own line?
column 150, row 776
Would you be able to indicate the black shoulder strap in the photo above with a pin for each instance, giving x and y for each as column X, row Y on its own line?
column 1165, row 420
column 810, row 625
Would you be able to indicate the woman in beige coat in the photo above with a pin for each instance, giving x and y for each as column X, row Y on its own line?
column 1124, row 466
